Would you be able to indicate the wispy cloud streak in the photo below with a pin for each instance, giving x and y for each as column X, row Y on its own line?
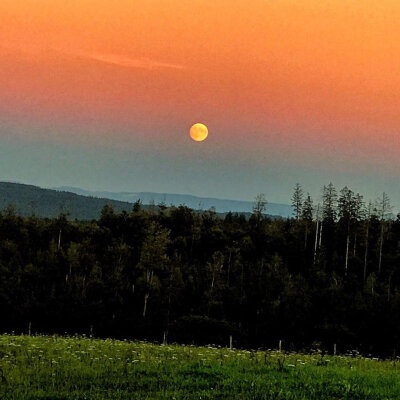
column 127, row 62
column 114, row 59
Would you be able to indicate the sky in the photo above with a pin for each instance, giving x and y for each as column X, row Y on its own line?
column 101, row 94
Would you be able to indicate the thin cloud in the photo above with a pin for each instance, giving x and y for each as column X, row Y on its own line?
column 128, row 62
column 113, row 59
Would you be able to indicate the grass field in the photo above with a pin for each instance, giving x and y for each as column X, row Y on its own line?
column 43, row 367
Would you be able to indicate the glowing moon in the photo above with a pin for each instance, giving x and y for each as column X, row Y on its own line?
column 198, row 132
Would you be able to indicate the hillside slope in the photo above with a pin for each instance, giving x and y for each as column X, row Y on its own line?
column 29, row 199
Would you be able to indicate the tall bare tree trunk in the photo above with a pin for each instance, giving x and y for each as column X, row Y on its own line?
column 316, row 240
column 149, row 279
column 347, row 247
column 384, row 211
column 347, row 253
column 146, row 297
column 380, row 249
column 366, row 251
column 367, row 241
column 316, row 235
column 320, row 234
column 59, row 240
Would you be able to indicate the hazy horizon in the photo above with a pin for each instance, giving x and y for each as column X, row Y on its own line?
column 50, row 166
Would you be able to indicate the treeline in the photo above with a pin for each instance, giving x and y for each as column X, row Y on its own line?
column 328, row 275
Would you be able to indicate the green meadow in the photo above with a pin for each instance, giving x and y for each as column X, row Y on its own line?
column 53, row 367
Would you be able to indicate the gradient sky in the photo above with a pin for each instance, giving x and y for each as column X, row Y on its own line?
column 101, row 94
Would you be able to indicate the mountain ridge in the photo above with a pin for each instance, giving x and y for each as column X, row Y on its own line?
column 82, row 204
column 175, row 199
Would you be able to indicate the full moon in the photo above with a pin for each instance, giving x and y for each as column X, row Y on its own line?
column 198, row 132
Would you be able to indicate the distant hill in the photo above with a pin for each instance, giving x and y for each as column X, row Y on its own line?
column 194, row 202
column 85, row 205
column 49, row 203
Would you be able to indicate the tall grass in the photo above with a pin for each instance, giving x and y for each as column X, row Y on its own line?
column 43, row 367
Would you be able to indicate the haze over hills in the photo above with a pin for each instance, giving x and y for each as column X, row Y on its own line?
column 33, row 200
column 194, row 202
column 85, row 205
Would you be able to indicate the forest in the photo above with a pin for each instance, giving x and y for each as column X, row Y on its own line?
column 328, row 275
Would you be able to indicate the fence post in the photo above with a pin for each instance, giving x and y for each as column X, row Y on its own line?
column 334, row 349
column 29, row 328
column 165, row 338
column 280, row 345
column 230, row 342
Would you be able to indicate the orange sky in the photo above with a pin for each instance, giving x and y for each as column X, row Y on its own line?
column 313, row 78
column 312, row 62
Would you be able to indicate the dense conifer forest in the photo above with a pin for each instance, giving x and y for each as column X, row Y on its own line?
column 328, row 275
